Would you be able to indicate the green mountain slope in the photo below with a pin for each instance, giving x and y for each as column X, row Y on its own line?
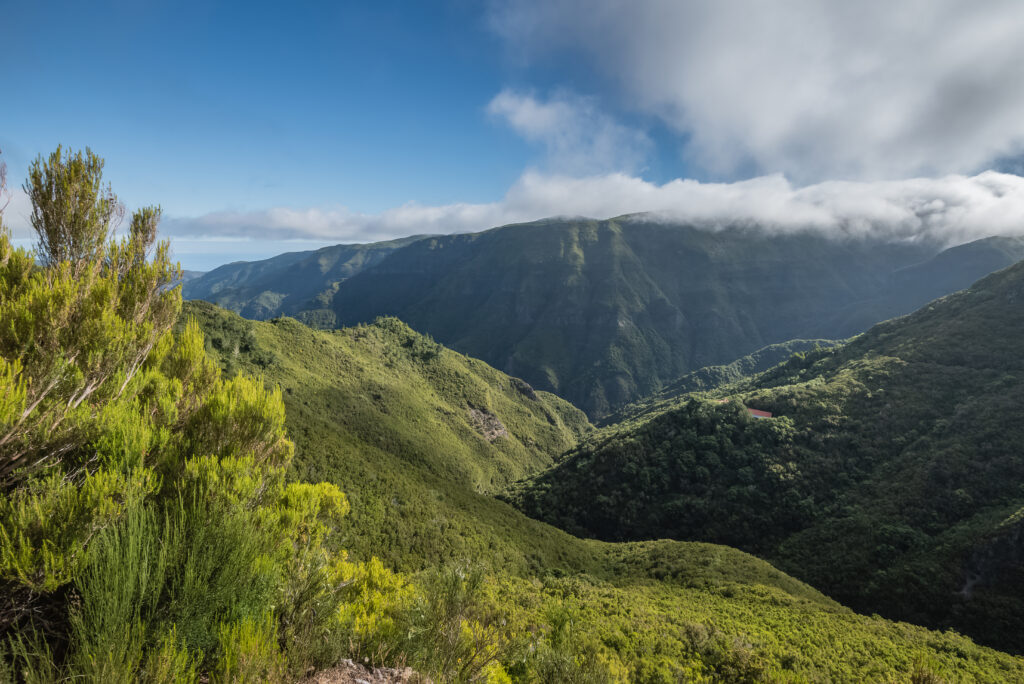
column 605, row 312
column 288, row 283
column 712, row 377
column 890, row 476
column 384, row 413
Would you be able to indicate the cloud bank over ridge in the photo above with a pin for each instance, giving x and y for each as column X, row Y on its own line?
column 815, row 90
column 951, row 209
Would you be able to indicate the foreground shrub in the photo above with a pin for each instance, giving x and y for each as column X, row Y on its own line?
column 146, row 529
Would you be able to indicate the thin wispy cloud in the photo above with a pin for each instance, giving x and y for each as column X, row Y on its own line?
column 577, row 137
column 815, row 90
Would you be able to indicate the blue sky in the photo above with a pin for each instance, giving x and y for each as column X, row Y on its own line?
column 264, row 126
column 277, row 103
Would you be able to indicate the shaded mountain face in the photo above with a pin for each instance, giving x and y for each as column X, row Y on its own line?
column 889, row 477
column 604, row 312
column 293, row 283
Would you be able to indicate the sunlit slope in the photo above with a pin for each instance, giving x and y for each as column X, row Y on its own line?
column 659, row 611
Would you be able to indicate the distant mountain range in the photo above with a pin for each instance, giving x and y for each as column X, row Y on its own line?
column 605, row 312
column 889, row 477
column 289, row 283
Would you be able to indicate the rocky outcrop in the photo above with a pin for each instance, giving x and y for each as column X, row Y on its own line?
column 487, row 424
column 349, row 672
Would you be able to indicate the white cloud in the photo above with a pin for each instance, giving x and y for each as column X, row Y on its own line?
column 951, row 209
column 17, row 212
column 578, row 138
column 869, row 89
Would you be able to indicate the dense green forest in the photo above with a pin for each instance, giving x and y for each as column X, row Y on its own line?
column 188, row 496
column 889, row 476
column 606, row 312
column 712, row 377
column 654, row 611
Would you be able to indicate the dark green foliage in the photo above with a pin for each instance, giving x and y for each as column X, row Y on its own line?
column 698, row 472
column 902, row 468
column 605, row 312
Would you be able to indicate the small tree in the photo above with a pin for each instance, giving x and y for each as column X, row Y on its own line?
column 75, row 331
column 145, row 524
column 73, row 213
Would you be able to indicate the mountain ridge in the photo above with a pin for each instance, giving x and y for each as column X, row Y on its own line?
column 605, row 312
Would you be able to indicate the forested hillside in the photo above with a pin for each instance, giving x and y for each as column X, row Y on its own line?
column 889, row 475
column 606, row 312
column 712, row 377
column 654, row 611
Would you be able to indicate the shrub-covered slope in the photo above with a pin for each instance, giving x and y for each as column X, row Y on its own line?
column 711, row 378
column 889, row 477
column 605, row 312
column 652, row 611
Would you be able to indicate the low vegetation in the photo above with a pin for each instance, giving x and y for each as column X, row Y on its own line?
column 158, row 523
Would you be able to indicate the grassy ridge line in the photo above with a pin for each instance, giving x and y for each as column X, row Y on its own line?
column 287, row 283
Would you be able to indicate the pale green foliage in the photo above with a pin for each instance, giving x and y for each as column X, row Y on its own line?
column 240, row 417
column 75, row 333
column 169, row 663
column 45, row 525
column 145, row 524
column 455, row 632
column 31, row 659
column 250, row 653
column 559, row 653
column 372, row 616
